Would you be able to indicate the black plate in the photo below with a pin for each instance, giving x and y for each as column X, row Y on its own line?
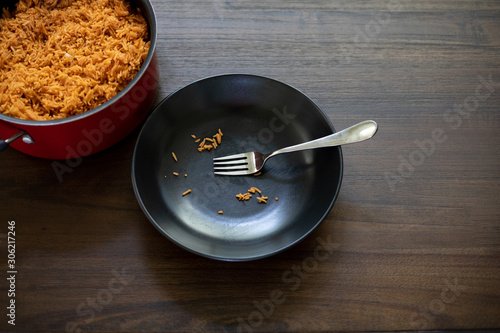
column 254, row 113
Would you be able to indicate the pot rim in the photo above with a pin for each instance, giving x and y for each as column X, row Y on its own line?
column 150, row 17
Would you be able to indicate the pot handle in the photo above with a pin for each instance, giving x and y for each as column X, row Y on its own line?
column 4, row 144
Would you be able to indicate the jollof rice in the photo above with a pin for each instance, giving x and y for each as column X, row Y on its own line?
column 60, row 58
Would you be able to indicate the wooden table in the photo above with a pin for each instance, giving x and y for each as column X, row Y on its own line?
column 413, row 239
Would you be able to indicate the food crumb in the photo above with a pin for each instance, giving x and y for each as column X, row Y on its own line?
column 262, row 199
column 187, row 192
column 220, row 212
column 218, row 137
column 185, row 175
column 254, row 189
column 175, row 157
column 243, row 197
column 175, row 173
column 209, row 143
column 276, row 198
column 193, row 136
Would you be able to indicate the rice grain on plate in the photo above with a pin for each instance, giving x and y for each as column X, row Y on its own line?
column 60, row 58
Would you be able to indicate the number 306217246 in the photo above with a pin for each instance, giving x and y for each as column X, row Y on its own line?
column 11, row 245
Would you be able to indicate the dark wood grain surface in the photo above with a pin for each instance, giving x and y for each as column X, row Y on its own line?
column 413, row 240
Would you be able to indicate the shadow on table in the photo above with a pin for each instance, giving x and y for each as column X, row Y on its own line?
column 191, row 292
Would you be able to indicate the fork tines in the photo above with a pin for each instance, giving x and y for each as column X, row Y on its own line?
column 231, row 165
column 231, row 159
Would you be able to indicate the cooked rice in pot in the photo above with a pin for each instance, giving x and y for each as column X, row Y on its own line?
column 60, row 58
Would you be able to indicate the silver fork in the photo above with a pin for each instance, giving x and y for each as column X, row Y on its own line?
column 253, row 161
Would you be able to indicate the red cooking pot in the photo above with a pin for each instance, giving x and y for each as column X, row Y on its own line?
column 94, row 130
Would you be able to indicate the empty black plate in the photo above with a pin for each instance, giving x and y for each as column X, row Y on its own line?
column 253, row 113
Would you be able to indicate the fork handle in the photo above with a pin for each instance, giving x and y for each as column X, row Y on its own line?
column 356, row 133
